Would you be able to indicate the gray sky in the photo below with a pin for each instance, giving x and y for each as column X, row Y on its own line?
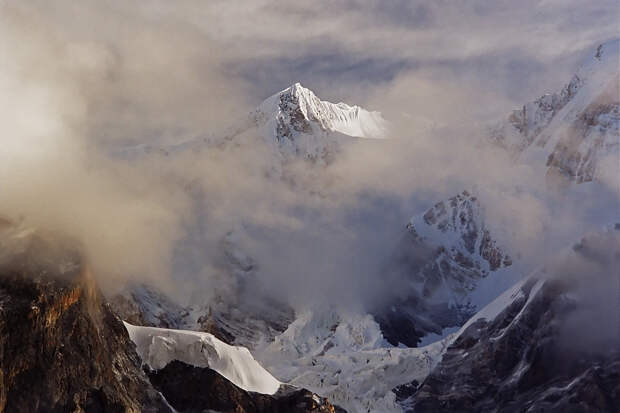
column 342, row 48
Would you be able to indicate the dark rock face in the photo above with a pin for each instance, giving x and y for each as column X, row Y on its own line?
column 208, row 323
column 404, row 394
column 61, row 348
column 192, row 389
column 554, row 348
column 413, row 318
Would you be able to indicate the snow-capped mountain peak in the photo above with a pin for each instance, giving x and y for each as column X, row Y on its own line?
column 453, row 266
column 603, row 60
column 300, row 125
column 294, row 122
column 299, row 109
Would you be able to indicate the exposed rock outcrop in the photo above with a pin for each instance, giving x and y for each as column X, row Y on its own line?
column 61, row 348
column 551, row 345
column 192, row 389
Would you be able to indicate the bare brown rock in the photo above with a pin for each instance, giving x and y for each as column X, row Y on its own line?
column 62, row 349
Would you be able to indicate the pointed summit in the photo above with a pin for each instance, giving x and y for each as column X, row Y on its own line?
column 304, row 108
column 302, row 125
column 295, row 122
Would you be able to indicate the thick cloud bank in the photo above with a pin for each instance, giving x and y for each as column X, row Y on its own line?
column 81, row 80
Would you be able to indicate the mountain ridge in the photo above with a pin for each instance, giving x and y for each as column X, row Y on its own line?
column 294, row 122
column 575, row 132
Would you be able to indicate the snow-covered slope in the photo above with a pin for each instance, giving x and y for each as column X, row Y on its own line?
column 297, row 102
column 343, row 356
column 452, row 266
column 458, row 226
column 159, row 346
column 551, row 343
column 575, row 132
column 466, row 252
column 302, row 125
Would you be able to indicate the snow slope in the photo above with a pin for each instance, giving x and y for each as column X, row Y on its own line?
column 574, row 132
column 550, row 343
column 343, row 356
column 158, row 346
column 467, row 252
column 457, row 226
column 450, row 266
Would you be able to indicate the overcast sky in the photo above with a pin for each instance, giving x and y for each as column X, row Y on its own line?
column 340, row 48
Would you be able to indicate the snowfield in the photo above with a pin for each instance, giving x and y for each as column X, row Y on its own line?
column 343, row 356
column 159, row 346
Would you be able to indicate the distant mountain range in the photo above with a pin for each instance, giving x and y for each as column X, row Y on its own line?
column 453, row 262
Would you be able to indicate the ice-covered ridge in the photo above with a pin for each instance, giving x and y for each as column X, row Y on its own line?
column 576, row 131
column 159, row 346
column 593, row 75
column 334, row 117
